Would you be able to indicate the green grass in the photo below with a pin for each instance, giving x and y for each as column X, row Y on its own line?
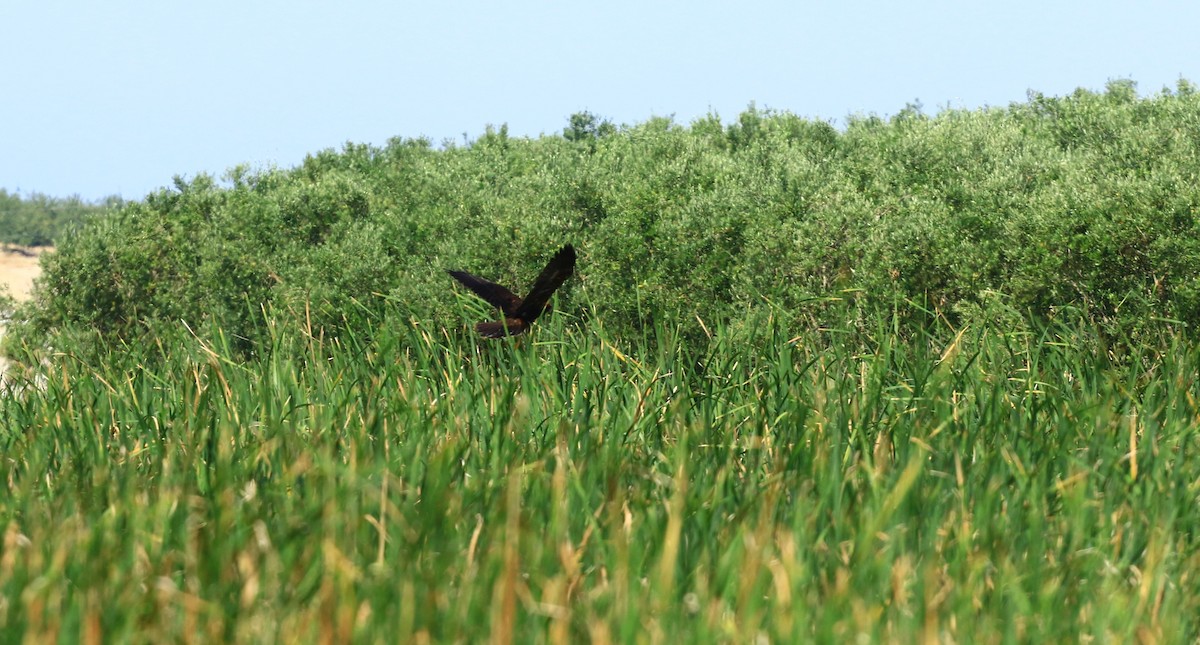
column 406, row 483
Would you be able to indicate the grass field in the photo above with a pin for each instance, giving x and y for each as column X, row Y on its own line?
column 413, row 485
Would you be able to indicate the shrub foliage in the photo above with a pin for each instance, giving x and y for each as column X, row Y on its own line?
column 39, row 220
column 1081, row 206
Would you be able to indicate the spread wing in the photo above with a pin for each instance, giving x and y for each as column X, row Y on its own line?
column 561, row 266
column 494, row 294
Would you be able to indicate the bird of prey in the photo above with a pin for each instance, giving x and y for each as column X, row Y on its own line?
column 518, row 313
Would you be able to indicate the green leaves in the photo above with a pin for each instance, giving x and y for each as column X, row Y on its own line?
column 1085, row 203
column 41, row 220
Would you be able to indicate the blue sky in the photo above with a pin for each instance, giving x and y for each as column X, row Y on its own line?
column 118, row 97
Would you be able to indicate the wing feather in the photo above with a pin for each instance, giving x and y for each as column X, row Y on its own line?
column 560, row 267
column 494, row 294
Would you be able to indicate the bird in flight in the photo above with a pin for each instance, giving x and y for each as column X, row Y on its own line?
column 520, row 313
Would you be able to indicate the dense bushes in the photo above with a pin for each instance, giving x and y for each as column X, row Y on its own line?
column 38, row 220
column 1081, row 206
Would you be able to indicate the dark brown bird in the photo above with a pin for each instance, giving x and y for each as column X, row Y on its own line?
column 519, row 313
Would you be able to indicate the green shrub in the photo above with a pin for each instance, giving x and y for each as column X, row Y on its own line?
column 40, row 220
column 1085, row 203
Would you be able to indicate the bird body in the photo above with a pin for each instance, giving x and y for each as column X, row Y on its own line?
column 519, row 313
column 502, row 328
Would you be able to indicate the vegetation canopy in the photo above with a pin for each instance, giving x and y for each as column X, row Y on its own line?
column 38, row 220
column 1082, row 206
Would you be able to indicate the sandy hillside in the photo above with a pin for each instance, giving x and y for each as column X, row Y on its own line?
column 18, row 268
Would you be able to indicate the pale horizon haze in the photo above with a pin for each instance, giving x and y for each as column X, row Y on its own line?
column 118, row 98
